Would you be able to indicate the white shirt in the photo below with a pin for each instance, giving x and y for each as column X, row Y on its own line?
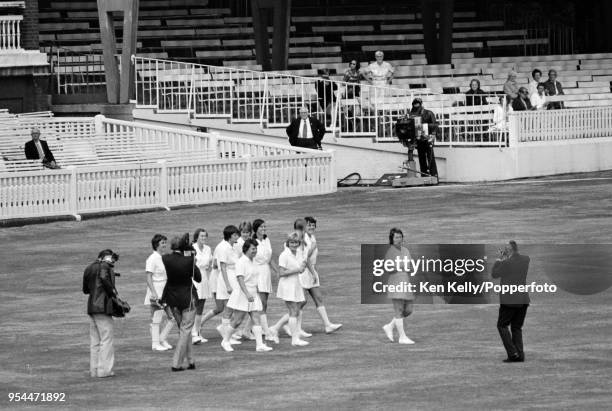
column 226, row 254
column 538, row 101
column 264, row 251
column 533, row 87
column 247, row 269
column 289, row 261
column 308, row 130
column 155, row 266
column 380, row 71
column 310, row 242
column 202, row 257
column 41, row 152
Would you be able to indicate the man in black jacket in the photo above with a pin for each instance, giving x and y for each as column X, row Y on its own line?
column 512, row 269
column 306, row 131
column 37, row 149
column 99, row 283
column 425, row 144
column 181, row 296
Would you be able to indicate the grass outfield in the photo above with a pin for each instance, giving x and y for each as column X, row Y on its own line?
column 455, row 364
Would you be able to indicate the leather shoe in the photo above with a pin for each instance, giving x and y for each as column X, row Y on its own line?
column 191, row 366
column 177, row 369
column 515, row 358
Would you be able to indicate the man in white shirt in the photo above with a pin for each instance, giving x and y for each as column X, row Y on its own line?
column 37, row 149
column 538, row 99
column 306, row 131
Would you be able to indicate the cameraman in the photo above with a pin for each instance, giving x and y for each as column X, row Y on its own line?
column 425, row 143
column 99, row 283
column 180, row 295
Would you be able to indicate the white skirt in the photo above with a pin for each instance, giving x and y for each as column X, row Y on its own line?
column 222, row 293
column 239, row 301
column 290, row 289
column 203, row 288
column 308, row 280
column 159, row 289
column 264, row 278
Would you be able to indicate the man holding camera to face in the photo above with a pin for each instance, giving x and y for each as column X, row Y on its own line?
column 99, row 284
column 425, row 142
column 181, row 296
column 511, row 268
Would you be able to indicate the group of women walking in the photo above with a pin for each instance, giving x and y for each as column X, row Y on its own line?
column 238, row 277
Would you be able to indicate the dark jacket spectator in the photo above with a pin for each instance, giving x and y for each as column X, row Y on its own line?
column 475, row 95
column 35, row 147
column 554, row 88
column 325, row 91
column 99, row 283
column 180, row 269
column 306, row 131
column 512, row 271
column 522, row 103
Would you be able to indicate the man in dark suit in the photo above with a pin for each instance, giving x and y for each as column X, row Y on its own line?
column 522, row 102
column 306, row 131
column 512, row 269
column 180, row 295
column 554, row 88
column 37, row 149
column 425, row 143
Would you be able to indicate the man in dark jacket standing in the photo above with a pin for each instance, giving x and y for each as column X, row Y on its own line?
column 512, row 269
column 425, row 143
column 180, row 295
column 306, row 131
column 99, row 283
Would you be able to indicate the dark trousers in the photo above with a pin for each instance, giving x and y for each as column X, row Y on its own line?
column 513, row 316
column 427, row 160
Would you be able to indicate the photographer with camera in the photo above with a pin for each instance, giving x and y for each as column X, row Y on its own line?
column 99, row 284
column 425, row 142
column 180, row 295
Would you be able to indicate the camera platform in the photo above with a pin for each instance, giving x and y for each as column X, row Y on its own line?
column 414, row 181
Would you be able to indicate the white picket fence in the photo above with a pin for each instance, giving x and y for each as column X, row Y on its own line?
column 241, row 171
column 555, row 125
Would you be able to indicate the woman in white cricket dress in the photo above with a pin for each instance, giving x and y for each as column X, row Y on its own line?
column 203, row 260
column 226, row 258
column 402, row 299
column 245, row 299
column 263, row 260
column 156, row 281
column 246, row 231
column 291, row 264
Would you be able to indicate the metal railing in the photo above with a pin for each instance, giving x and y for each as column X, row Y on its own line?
column 10, row 33
column 273, row 99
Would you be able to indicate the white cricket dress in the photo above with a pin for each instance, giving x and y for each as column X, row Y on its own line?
column 289, row 287
column 202, row 260
column 155, row 266
column 226, row 254
column 308, row 279
column 238, row 300
column 262, row 261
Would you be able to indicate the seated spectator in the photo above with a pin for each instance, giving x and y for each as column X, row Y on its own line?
column 353, row 76
column 511, row 87
column 379, row 73
column 522, row 103
column 538, row 99
column 536, row 75
column 475, row 96
column 554, row 88
column 306, row 131
column 325, row 91
column 37, row 149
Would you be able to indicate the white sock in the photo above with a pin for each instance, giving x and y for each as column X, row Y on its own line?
column 392, row 323
column 323, row 313
column 263, row 318
column 299, row 321
column 276, row 327
column 227, row 332
column 154, row 334
column 258, row 335
column 293, row 326
column 166, row 330
column 399, row 324
column 196, row 325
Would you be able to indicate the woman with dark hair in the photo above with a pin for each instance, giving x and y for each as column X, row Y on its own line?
column 245, row 299
column 263, row 260
column 536, row 76
column 203, row 257
column 219, row 278
column 475, row 95
column 181, row 296
column 398, row 279
column 353, row 76
column 246, row 231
